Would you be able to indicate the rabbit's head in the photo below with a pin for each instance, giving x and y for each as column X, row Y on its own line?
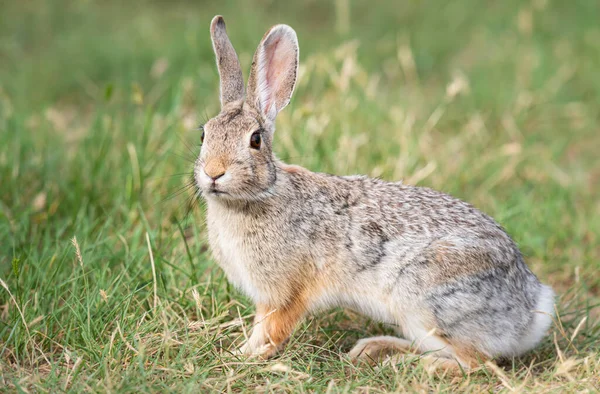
column 236, row 161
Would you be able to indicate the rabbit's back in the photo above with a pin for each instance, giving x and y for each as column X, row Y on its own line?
column 368, row 225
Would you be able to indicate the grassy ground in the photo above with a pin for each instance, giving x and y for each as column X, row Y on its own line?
column 495, row 102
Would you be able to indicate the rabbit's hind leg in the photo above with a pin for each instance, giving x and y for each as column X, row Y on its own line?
column 433, row 357
column 375, row 349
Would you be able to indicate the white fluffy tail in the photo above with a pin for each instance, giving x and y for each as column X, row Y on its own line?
column 544, row 313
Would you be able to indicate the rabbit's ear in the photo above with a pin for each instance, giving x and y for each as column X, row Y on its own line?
column 230, row 72
column 274, row 71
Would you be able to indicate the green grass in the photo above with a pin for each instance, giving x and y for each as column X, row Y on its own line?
column 497, row 103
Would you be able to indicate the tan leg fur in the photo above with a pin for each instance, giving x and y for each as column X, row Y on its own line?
column 272, row 328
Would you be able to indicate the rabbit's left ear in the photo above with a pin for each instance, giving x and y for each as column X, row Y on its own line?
column 274, row 71
column 230, row 72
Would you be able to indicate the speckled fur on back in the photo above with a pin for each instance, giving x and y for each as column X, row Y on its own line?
column 447, row 276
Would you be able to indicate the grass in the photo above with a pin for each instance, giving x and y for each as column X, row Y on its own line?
column 107, row 282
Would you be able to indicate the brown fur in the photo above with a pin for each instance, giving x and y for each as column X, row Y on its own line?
column 468, row 356
column 445, row 255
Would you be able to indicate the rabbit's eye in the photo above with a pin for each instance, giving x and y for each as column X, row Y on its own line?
column 255, row 140
column 202, row 137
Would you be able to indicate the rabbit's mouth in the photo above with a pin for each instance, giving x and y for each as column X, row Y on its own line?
column 217, row 192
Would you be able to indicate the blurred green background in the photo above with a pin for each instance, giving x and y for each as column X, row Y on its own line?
column 495, row 102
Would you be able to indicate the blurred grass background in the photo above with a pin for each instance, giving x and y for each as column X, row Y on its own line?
column 497, row 103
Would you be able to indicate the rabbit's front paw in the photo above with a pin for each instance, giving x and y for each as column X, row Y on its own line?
column 258, row 345
column 263, row 351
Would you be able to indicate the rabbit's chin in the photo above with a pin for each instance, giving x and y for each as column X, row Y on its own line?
column 218, row 194
column 221, row 193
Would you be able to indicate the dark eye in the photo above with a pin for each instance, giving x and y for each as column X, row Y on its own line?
column 255, row 140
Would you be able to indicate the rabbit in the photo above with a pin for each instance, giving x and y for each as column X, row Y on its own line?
column 446, row 276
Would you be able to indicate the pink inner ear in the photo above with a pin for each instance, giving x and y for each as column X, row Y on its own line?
column 274, row 64
column 279, row 64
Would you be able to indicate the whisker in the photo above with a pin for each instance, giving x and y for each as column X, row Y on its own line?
column 206, row 118
column 154, row 178
column 192, row 202
column 180, row 155
column 180, row 190
column 185, row 201
column 188, row 146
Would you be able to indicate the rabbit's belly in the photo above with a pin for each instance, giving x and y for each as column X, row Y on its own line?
column 376, row 304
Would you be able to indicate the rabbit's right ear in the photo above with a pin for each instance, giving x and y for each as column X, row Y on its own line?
column 230, row 72
column 274, row 71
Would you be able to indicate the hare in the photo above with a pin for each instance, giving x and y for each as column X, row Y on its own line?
column 445, row 275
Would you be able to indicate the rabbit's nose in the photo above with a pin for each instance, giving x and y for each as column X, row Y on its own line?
column 214, row 169
column 215, row 177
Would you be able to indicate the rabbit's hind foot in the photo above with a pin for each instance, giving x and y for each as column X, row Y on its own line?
column 375, row 349
column 393, row 350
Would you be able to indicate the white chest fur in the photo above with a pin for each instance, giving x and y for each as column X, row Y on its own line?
column 229, row 244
